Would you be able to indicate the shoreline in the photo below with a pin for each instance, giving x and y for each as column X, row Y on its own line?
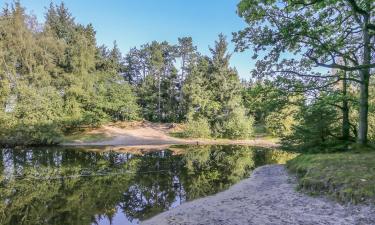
column 267, row 197
column 155, row 135
column 156, row 144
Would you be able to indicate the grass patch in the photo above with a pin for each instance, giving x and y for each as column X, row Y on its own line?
column 86, row 137
column 178, row 134
column 348, row 177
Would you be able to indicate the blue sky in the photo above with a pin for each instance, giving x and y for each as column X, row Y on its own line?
column 135, row 22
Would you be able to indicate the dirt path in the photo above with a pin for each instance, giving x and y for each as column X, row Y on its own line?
column 150, row 135
column 267, row 198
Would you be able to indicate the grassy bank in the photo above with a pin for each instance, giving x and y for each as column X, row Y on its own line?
column 347, row 177
column 259, row 132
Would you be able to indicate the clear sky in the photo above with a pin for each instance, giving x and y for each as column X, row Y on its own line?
column 135, row 22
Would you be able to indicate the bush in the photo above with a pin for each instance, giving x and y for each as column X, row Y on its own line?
column 317, row 128
column 280, row 123
column 198, row 128
column 238, row 125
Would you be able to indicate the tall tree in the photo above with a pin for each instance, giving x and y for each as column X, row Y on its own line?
column 188, row 55
column 54, row 78
column 320, row 32
column 216, row 95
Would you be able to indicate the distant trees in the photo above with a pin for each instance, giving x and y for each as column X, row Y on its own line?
column 159, row 78
column 176, row 83
column 55, row 78
column 153, row 72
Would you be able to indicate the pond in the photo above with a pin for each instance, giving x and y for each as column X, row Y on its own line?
column 85, row 186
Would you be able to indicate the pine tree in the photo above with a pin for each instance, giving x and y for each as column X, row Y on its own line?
column 213, row 92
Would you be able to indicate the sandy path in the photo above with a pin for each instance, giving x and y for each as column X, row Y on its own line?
column 268, row 197
column 152, row 135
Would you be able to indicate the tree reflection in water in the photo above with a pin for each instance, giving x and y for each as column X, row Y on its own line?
column 75, row 186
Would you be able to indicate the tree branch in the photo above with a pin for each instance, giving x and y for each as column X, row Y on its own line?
column 341, row 67
column 316, row 76
column 356, row 8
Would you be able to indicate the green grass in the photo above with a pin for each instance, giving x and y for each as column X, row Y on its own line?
column 86, row 137
column 178, row 134
column 181, row 134
column 347, row 177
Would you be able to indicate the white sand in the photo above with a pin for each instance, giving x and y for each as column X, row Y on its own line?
column 268, row 197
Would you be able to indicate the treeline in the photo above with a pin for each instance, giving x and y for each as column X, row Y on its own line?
column 317, row 120
column 54, row 78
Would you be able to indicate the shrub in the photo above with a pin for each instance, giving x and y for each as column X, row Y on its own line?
column 318, row 128
column 198, row 128
column 280, row 123
column 238, row 125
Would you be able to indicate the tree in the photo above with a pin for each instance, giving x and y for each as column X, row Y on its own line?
column 115, row 59
column 263, row 97
column 321, row 33
column 133, row 68
column 213, row 92
column 188, row 55
column 53, row 78
column 318, row 127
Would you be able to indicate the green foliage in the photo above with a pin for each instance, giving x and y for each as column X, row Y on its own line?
column 197, row 128
column 212, row 91
column 29, row 134
column 54, row 75
column 282, row 122
column 348, row 177
column 272, row 107
column 317, row 126
column 315, row 37
column 158, row 83
column 262, row 98
column 49, row 82
column 238, row 125
column 86, row 137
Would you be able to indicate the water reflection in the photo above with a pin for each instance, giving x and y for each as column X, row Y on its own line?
column 75, row 186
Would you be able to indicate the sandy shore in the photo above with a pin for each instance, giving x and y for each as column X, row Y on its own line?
column 150, row 135
column 267, row 197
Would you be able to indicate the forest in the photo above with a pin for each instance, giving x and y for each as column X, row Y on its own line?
column 55, row 78
column 169, row 132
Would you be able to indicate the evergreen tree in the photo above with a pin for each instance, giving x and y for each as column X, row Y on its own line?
column 55, row 78
column 214, row 93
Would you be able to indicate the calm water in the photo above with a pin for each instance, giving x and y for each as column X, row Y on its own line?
column 80, row 186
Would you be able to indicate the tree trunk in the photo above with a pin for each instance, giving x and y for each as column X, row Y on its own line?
column 159, row 97
column 363, row 108
column 345, row 111
column 365, row 78
column 181, row 81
